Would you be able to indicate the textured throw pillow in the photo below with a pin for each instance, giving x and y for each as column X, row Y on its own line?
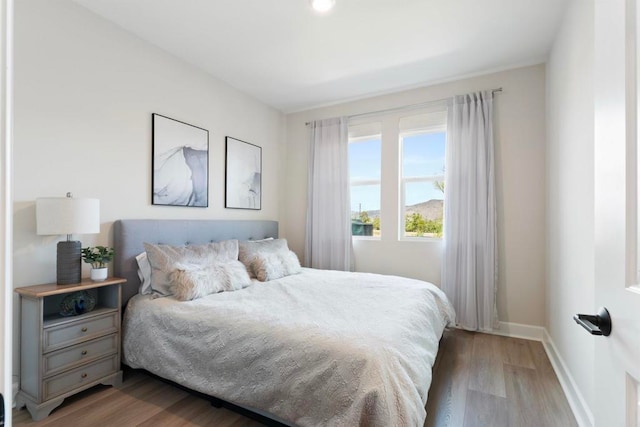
column 144, row 273
column 257, row 257
column 247, row 251
column 270, row 266
column 189, row 282
column 164, row 259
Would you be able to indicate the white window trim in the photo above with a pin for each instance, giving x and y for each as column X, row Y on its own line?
column 365, row 182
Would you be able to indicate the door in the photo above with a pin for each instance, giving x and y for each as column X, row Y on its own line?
column 617, row 357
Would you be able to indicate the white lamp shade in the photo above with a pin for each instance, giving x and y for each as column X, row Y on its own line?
column 67, row 215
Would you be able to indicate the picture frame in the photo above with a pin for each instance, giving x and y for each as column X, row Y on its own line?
column 180, row 169
column 243, row 175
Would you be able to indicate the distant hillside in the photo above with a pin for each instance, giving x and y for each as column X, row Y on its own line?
column 431, row 210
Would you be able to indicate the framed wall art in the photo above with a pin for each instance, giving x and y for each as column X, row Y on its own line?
column 243, row 180
column 180, row 163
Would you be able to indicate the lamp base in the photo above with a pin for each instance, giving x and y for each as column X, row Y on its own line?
column 69, row 262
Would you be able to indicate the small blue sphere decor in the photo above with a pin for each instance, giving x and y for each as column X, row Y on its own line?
column 77, row 303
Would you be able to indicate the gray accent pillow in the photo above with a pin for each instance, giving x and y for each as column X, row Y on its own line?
column 189, row 282
column 144, row 274
column 268, row 259
column 164, row 259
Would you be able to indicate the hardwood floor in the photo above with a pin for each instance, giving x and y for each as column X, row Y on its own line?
column 489, row 380
column 478, row 380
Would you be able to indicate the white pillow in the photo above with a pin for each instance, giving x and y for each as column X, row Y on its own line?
column 164, row 259
column 258, row 256
column 144, row 273
column 271, row 266
column 189, row 282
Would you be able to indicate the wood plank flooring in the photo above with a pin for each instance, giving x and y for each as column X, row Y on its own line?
column 489, row 380
column 478, row 380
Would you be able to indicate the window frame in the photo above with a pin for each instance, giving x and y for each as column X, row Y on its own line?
column 390, row 127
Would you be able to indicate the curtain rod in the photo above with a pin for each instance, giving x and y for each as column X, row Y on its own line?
column 406, row 107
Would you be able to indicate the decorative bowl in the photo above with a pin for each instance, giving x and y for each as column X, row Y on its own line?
column 77, row 303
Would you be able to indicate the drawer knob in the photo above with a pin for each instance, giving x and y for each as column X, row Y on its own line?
column 84, row 352
column 84, row 329
column 84, row 375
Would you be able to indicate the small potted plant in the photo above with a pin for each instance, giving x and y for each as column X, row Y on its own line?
column 98, row 257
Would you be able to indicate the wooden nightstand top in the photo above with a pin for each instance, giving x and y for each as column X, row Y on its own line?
column 41, row 291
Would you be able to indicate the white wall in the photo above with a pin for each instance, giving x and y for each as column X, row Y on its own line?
column 570, row 193
column 85, row 91
column 520, row 147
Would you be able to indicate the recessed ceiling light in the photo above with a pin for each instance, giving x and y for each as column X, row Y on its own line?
column 322, row 6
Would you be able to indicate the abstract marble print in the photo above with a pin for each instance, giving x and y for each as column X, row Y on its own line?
column 243, row 175
column 180, row 163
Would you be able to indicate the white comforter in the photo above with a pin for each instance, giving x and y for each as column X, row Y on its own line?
column 320, row 348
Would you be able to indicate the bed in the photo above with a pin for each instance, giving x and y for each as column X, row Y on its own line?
column 312, row 348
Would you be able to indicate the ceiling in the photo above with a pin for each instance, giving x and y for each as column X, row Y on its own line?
column 291, row 58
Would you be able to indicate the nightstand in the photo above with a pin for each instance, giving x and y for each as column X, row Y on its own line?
column 60, row 356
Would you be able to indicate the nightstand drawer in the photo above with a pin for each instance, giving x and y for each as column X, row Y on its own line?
column 76, row 332
column 60, row 384
column 60, row 360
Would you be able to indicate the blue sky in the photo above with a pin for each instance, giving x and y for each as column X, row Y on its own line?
column 423, row 155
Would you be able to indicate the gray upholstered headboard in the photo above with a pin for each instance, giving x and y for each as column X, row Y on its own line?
column 130, row 234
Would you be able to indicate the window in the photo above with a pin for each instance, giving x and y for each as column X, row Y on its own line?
column 365, row 173
column 422, row 159
column 396, row 171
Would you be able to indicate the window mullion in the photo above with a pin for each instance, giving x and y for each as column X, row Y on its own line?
column 390, row 185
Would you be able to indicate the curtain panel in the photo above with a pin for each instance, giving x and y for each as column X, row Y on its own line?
column 469, row 272
column 328, row 242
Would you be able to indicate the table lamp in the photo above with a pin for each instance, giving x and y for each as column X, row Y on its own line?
column 67, row 215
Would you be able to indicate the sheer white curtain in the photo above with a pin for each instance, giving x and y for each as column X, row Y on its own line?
column 328, row 239
column 469, row 267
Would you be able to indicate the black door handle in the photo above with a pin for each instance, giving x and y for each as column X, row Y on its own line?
column 600, row 324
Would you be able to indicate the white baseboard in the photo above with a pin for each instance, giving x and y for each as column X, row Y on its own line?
column 579, row 406
column 518, row 330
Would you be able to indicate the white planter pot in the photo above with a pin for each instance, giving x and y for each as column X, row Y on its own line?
column 99, row 274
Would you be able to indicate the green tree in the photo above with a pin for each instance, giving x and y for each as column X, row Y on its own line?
column 434, row 226
column 364, row 217
column 416, row 223
column 439, row 185
column 376, row 223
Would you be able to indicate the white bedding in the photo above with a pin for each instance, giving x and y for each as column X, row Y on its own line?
column 320, row 348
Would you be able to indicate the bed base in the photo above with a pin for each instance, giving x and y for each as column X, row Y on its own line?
column 215, row 402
